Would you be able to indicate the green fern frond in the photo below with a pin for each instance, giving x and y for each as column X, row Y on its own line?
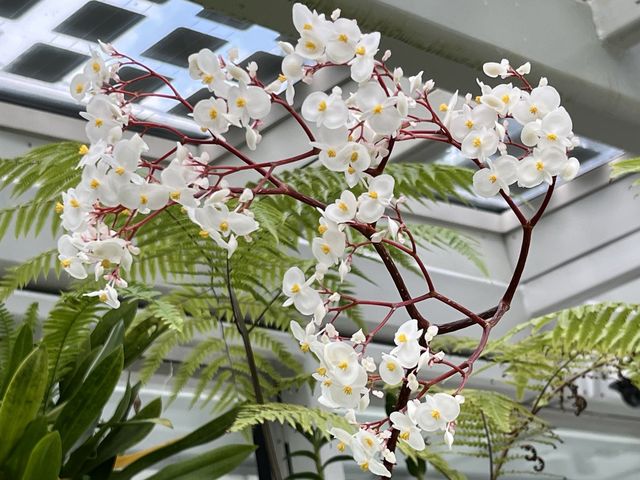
column 7, row 328
column 18, row 276
column 299, row 417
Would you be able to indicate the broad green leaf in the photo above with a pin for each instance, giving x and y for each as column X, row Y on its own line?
column 80, row 413
column 15, row 464
column 205, row 434
column 45, row 460
column 22, row 346
column 210, row 465
column 22, row 399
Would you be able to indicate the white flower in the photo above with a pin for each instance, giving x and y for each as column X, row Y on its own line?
column 391, row 372
column 307, row 337
column 102, row 116
column 536, row 105
column 344, row 438
column 500, row 173
column 555, row 129
column 205, row 66
column 95, row 69
column 481, row 143
column 448, row 108
column 408, row 430
column 353, row 159
column 76, row 208
column 412, row 382
column 542, row 166
column 372, row 203
column 570, row 169
column 343, row 209
column 501, row 98
column 329, row 249
column 307, row 21
column 431, row 332
column 362, row 64
column 125, row 158
column 80, row 85
column 468, row 119
column 342, row 40
column 407, row 349
column 327, row 110
column 211, row 114
column 107, row 295
column 378, row 109
column 493, row 69
column 358, row 337
column 342, row 362
column 177, row 179
column 330, row 141
column 97, row 185
column 299, row 293
column 223, row 222
column 144, row 198
column 248, row 102
column 367, row 447
column 435, row 413
column 69, row 258
column 310, row 45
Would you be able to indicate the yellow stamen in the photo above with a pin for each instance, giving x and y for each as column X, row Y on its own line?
column 373, row 194
column 240, row 102
column 126, row 212
column 326, row 249
column 343, row 38
column 74, row 203
column 331, row 153
column 469, row 124
column 377, row 108
column 207, row 79
column 106, row 263
column 478, row 99
column 66, row 263
column 79, row 88
column 203, row 233
column 493, row 178
column 391, row 366
column 282, row 78
column 552, row 136
column 341, row 446
column 175, row 196
column 443, row 107
column 307, row 26
column 327, row 383
column 404, row 436
column 59, row 207
column 95, row 66
column 83, row 150
column 354, row 157
column 505, row 98
column 369, row 442
column 224, row 226
column 351, row 170
column 322, row 229
column 304, row 347
column 103, row 297
column 120, row 170
column 98, row 122
column 533, row 109
column 343, row 365
column 477, row 142
column 436, row 414
column 310, row 46
column 295, row 288
column 343, row 206
column 364, row 466
column 95, row 183
column 539, row 166
column 402, row 338
column 322, row 106
column 348, row 390
column 213, row 113
column 321, row 371
column 144, row 199
column 360, row 50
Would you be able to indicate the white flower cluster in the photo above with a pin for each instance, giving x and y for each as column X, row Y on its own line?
column 352, row 134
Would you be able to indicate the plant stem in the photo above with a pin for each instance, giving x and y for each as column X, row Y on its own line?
column 489, row 445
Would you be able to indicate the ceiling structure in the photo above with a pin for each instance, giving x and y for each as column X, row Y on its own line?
column 585, row 249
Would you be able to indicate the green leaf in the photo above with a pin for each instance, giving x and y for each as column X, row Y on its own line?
column 17, row 461
column 624, row 167
column 205, row 434
column 80, row 413
column 22, row 346
column 45, row 460
column 209, row 465
column 125, row 313
column 22, row 399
